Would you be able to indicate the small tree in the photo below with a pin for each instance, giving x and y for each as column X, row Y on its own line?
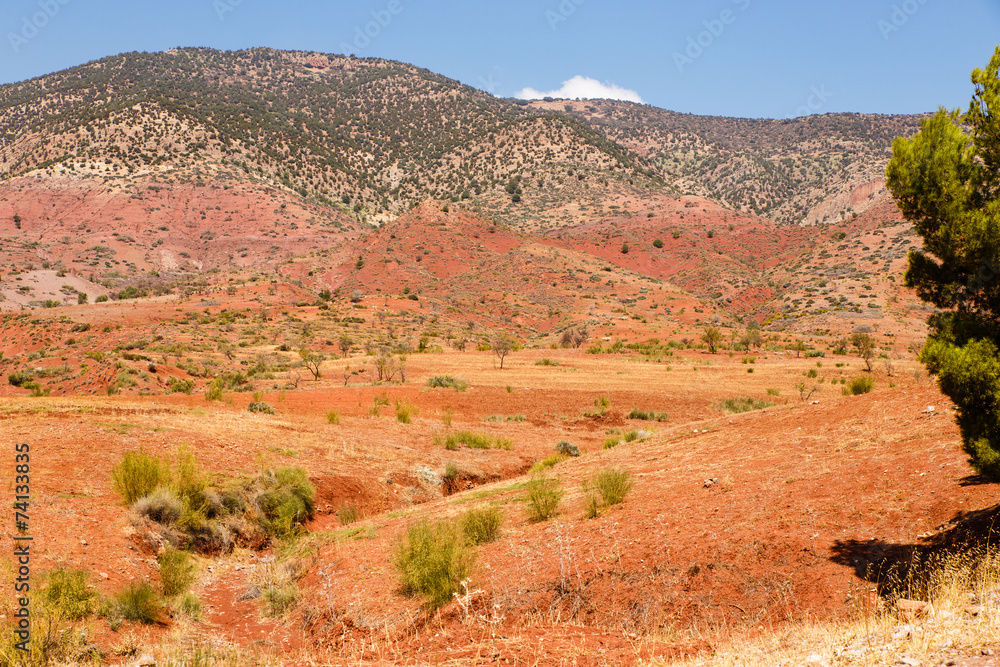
column 345, row 343
column 502, row 345
column 712, row 337
column 312, row 361
column 580, row 336
column 752, row 338
column 864, row 345
column 799, row 347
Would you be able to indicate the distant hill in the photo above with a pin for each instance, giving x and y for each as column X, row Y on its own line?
column 144, row 169
column 374, row 137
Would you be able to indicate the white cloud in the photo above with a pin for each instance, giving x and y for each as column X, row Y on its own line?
column 583, row 88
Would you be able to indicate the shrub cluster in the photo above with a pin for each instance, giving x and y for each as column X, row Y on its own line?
column 178, row 497
column 738, row 405
column 608, row 487
column 472, row 439
column 859, row 385
column 447, row 382
column 543, row 495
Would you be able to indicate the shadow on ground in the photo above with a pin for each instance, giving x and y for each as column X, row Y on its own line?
column 959, row 550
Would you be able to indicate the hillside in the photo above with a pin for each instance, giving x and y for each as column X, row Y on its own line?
column 369, row 136
column 813, row 169
column 373, row 137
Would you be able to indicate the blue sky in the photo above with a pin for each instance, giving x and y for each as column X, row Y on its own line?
column 751, row 58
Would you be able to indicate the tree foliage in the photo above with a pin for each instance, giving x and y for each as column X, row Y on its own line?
column 712, row 337
column 946, row 181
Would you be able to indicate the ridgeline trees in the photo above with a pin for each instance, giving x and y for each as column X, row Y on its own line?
column 946, row 181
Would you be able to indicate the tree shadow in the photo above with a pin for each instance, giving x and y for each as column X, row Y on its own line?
column 909, row 570
column 975, row 480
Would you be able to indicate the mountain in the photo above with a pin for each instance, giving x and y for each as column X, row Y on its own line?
column 819, row 168
column 153, row 170
column 374, row 137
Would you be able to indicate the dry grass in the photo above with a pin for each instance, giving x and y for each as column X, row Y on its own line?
column 962, row 618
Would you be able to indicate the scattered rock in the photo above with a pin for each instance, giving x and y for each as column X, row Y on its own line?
column 973, row 610
column 251, row 593
column 568, row 449
column 911, row 662
column 902, row 632
column 145, row 660
column 711, row 482
column 910, row 610
column 928, row 410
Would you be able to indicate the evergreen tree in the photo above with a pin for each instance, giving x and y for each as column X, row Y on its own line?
column 946, row 181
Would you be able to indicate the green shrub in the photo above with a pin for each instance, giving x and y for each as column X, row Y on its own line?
column 405, row 412
column 67, row 594
column 162, row 506
column 180, row 386
column 611, row 441
column 36, row 389
column 543, row 496
column 738, row 405
column 279, row 599
column 189, row 480
column 631, row 436
column 333, row 417
column 546, row 463
column 177, row 572
column 481, row 525
column 432, row 560
column 284, row 499
column 378, row 403
column 189, row 605
column 504, row 418
column 137, row 474
column 613, row 485
column 811, row 373
column 347, row 515
column 859, row 385
column 138, row 603
column 567, row 448
column 472, row 439
column 259, row 406
column 21, row 378
column 214, row 391
column 447, row 382
column 774, row 392
column 546, row 362
column 648, row 415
